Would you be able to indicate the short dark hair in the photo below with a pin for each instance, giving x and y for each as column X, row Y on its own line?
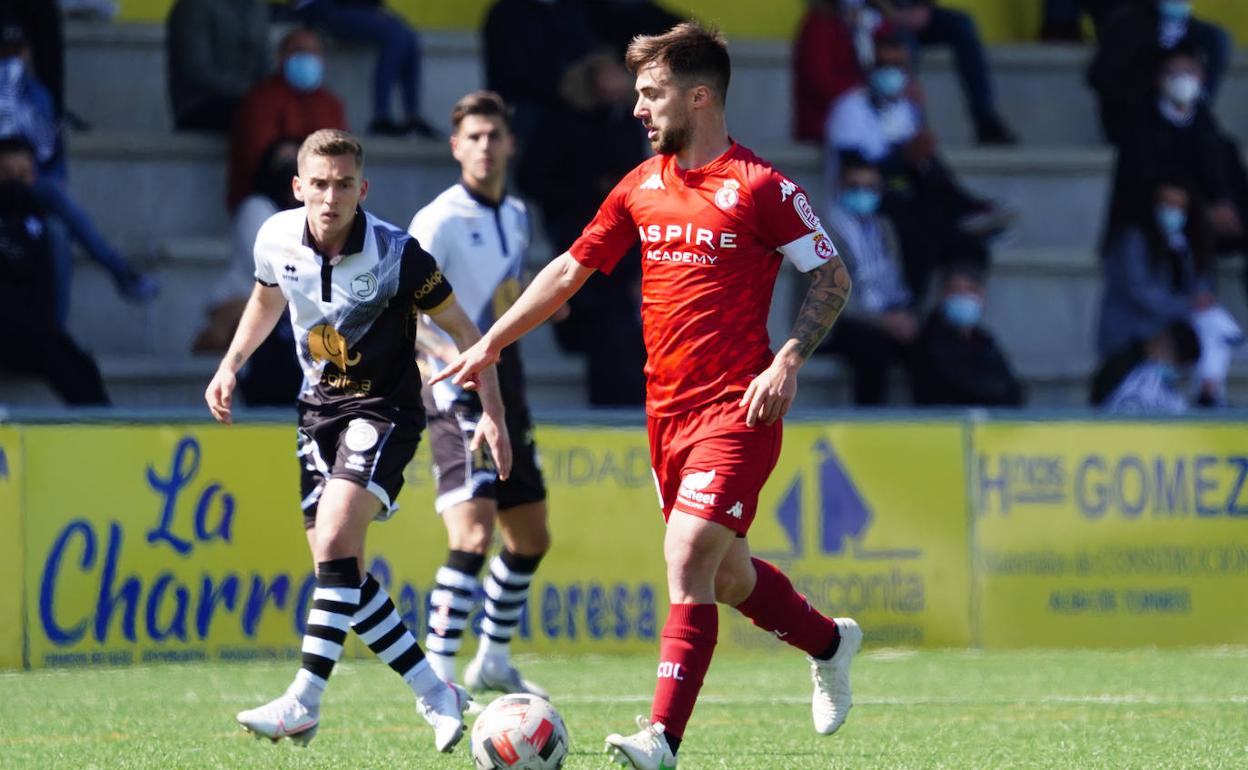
column 486, row 104
column 853, row 160
column 692, row 53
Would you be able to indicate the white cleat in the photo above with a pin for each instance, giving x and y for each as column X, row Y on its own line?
column 833, row 699
column 285, row 717
column 646, row 749
column 444, row 711
column 486, row 673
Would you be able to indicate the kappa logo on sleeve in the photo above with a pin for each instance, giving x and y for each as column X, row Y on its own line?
column 655, row 182
column 787, row 188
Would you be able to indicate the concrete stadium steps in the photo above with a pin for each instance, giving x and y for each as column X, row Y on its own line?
column 116, row 78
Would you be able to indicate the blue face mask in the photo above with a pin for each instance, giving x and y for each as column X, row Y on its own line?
column 963, row 310
column 889, row 82
column 1175, row 10
column 304, row 71
column 860, row 201
column 1171, row 219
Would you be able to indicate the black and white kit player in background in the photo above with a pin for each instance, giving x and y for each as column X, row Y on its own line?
column 478, row 234
column 355, row 287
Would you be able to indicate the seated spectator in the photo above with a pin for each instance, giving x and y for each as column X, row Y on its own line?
column 875, row 332
column 289, row 104
column 1157, row 271
column 272, row 376
column 1122, row 71
column 616, row 22
column 1154, row 385
column 937, row 220
column 26, row 110
column 1177, row 136
column 38, row 344
column 956, row 360
column 831, row 53
column 398, row 58
column 1062, row 23
column 925, row 23
column 216, row 51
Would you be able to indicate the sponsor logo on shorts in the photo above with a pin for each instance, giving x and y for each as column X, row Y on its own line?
column 361, row 437
column 736, row 510
column 356, row 462
column 691, row 487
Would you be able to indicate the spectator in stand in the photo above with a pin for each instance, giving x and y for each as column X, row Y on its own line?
column 876, row 331
column 217, row 50
column 1154, row 385
column 289, row 104
column 1176, row 135
column 1158, row 270
column 271, row 377
column 925, row 23
column 38, row 344
column 956, row 359
column 832, row 52
column 1062, row 21
column 398, row 58
column 937, row 220
column 1133, row 41
column 616, row 22
column 26, row 110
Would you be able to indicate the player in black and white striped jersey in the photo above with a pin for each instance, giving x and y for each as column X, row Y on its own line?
column 355, row 287
column 479, row 234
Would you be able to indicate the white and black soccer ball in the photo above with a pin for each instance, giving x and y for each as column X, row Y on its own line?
column 519, row 732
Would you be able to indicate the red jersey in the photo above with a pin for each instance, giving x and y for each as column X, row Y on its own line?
column 712, row 239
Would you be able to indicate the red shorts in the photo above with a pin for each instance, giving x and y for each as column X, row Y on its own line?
column 708, row 463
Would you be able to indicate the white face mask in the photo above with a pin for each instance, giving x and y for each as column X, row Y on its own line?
column 1184, row 88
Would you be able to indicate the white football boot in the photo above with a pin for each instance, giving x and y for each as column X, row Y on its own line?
column 485, row 672
column 285, row 717
column 646, row 749
column 444, row 710
column 832, row 699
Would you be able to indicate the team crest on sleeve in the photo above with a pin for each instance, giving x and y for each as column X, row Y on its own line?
column 787, row 188
column 804, row 210
column 823, row 247
column 727, row 195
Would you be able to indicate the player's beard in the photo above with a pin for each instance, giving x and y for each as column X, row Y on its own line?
column 674, row 139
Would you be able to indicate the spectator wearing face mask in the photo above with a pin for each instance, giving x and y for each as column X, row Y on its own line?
column 1130, row 47
column 874, row 334
column 956, row 359
column 832, row 52
column 216, row 50
column 1154, row 386
column 1177, row 136
column 1157, row 271
column 271, row 376
column 289, row 104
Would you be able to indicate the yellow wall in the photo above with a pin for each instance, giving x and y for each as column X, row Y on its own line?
column 999, row 20
column 12, row 571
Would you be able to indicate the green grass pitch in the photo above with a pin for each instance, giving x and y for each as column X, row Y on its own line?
column 941, row 709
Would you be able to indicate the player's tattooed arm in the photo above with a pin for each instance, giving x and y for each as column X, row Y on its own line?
column 829, row 290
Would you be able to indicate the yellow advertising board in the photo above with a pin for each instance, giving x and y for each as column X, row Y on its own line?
column 185, row 542
column 11, row 573
column 1110, row 534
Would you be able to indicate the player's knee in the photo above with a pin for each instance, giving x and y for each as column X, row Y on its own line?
column 473, row 538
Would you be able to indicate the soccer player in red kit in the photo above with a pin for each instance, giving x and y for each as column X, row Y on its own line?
column 715, row 222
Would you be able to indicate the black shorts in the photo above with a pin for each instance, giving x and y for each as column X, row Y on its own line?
column 464, row 475
column 368, row 448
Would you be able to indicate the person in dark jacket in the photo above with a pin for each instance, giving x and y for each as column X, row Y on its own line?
column 956, row 360
column 1132, row 44
column 217, row 50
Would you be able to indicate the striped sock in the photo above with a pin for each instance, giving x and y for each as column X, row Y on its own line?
column 379, row 626
column 450, row 603
column 506, row 592
column 334, row 601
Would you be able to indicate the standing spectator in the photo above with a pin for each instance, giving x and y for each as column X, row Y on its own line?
column 26, row 110
column 289, row 104
column 398, row 58
column 1157, row 271
column 1153, row 386
column 1132, row 44
column 41, row 19
column 875, row 332
column 1176, row 136
column 217, row 49
column 956, row 360
column 271, row 376
column 828, row 60
column 37, row 343
column 926, row 24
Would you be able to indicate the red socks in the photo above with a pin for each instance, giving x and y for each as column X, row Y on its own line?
column 684, row 656
column 775, row 606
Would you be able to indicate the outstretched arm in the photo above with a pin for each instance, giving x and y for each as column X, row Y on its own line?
column 264, row 309
column 771, row 393
column 558, row 281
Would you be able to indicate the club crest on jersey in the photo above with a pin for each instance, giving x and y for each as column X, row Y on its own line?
column 727, row 196
column 364, row 286
column 804, row 210
column 823, row 247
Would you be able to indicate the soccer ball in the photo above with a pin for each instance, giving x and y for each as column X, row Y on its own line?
column 519, row 732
